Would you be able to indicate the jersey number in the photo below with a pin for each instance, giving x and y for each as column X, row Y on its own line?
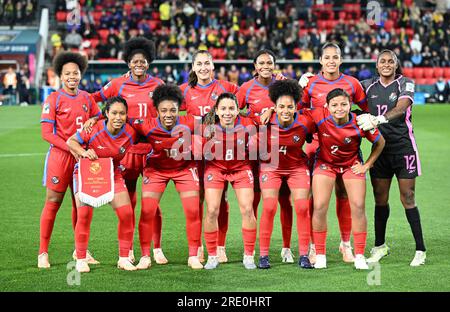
column 229, row 154
column 283, row 149
column 142, row 109
column 382, row 109
column 204, row 110
column 410, row 160
column 334, row 149
column 171, row 153
column 79, row 123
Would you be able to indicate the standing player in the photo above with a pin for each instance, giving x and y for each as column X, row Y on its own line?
column 314, row 95
column 200, row 94
column 254, row 95
column 390, row 97
column 109, row 138
column 286, row 135
column 63, row 113
column 137, row 88
column 339, row 156
column 227, row 160
column 171, row 159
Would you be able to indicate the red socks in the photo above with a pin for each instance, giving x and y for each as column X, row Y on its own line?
column 286, row 217
column 249, row 238
column 82, row 230
column 266, row 225
column 193, row 224
column 256, row 200
column 48, row 217
column 359, row 240
column 303, row 225
column 222, row 220
column 148, row 212
column 211, row 242
column 157, row 229
column 344, row 215
column 320, row 239
column 125, row 229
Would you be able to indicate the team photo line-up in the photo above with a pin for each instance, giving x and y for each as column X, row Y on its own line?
column 274, row 139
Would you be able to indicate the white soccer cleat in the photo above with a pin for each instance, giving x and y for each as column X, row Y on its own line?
column 194, row 263
column 159, row 256
column 321, row 262
column 360, row 262
column 131, row 257
column 82, row 266
column 89, row 257
column 212, row 263
column 287, row 256
column 222, row 254
column 43, row 261
column 377, row 253
column 144, row 263
column 345, row 248
column 249, row 262
column 419, row 258
column 201, row 254
column 125, row 264
column 312, row 253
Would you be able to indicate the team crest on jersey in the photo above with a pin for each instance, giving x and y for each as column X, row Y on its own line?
column 146, row 180
column 240, row 141
column 296, row 138
column 122, row 150
column 180, row 140
column 323, row 167
column 46, row 108
column 393, row 97
column 138, row 121
column 150, row 94
column 95, row 168
column 55, row 180
column 347, row 140
column 264, row 178
column 214, row 96
column 85, row 108
column 209, row 177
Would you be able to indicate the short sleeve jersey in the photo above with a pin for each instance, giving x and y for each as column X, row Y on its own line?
column 255, row 97
column 398, row 133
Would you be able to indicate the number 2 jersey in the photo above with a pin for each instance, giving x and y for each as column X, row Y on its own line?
column 398, row 133
column 339, row 145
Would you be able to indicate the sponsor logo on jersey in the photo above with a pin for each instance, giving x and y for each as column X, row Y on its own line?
column 323, row 167
column 46, row 108
column 55, row 180
column 95, row 168
column 146, row 180
column 209, row 177
column 122, row 150
column 85, row 108
column 158, row 142
column 214, row 96
column 194, row 97
column 296, row 138
column 373, row 96
column 393, row 97
column 347, row 140
column 326, row 135
column 101, row 147
column 107, row 86
column 130, row 95
column 150, row 94
column 66, row 110
column 264, row 178
column 138, row 121
column 257, row 101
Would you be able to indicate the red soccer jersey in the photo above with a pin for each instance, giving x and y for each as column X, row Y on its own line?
column 289, row 142
column 255, row 97
column 199, row 100
column 68, row 112
column 138, row 95
column 315, row 93
column 171, row 149
column 107, row 145
column 229, row 148
column 339, row 145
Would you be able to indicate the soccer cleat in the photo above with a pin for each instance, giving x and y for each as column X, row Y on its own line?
column 312, row 254
column 346, row 250
column 222, row 254
column 201, row 254
column 131, row 257
column 377, row 253
column 304, row 262
column 159, row 256
column 249, row 262
column 264, row 262
column 124, row 263
column 360, row 262
column 321, row 262
column 194, row 263
column 212, row 263
column 286, row 255
column 43, row 261
column 89, row 257
column 144, row 263
column 419, row 258
column 82, row 266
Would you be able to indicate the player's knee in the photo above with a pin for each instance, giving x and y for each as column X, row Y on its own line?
column 408, row 198
column 212, row 213
column 358, row 210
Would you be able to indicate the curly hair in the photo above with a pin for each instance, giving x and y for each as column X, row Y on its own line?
column 288, row 87
column 169, row 92
column 65, row 57
column 139, row 45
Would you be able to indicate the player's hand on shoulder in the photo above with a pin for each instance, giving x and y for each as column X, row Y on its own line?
column 265, row 117
column 89, row 124
column 304, row 79
column 280, row 76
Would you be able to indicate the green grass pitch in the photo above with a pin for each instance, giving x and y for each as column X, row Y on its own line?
column 22, row 155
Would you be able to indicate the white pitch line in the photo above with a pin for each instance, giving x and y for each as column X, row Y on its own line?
column 21, row 155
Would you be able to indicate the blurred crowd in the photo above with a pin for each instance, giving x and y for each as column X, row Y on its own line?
column 14, row 12
column 15, row 86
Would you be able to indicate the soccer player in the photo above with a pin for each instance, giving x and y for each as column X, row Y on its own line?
column 390, row 98
column 339, row 155
column 171, row 159
column 137, row 88
column 227, row 160
column 254, row 95
column 287, row 130
column 64, row 112
column 315, row 90
column 200, row 94
column 109, row 138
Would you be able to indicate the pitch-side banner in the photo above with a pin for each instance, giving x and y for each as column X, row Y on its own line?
column 96, row 181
